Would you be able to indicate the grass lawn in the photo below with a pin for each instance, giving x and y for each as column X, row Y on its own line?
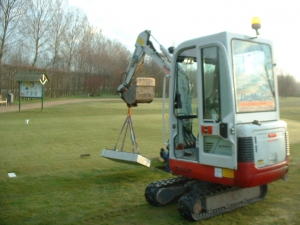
column 54, row 185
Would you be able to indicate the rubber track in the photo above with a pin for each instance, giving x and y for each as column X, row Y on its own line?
column 203, row 190
column 154, row 187
column 186, row 202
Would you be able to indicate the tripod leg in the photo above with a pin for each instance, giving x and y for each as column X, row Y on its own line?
column 135, row 147
column 125, row 122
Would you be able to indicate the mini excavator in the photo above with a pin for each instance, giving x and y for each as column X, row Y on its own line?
column 226, row 140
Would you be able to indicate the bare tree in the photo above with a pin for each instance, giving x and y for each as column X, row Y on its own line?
column 287, row 85
column 85, row 50
column 19, row 55
column 39, row 17
column 57, row 31
column 79, row 55
column 77, row 21
column 11, row 12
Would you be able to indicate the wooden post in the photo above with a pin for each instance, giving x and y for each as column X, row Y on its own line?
column 19, row 95
column 42, row 97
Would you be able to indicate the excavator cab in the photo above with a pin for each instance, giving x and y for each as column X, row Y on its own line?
column 224, row 112
column 199, row 126
column 226, row 140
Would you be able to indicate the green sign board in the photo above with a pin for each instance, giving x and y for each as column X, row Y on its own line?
column 31, row 85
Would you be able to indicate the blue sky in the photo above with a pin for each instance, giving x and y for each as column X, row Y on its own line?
column 172, row 22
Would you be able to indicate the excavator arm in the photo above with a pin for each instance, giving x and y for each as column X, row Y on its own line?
column 134, row 89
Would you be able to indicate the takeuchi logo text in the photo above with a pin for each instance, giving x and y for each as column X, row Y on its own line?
column 255, row 97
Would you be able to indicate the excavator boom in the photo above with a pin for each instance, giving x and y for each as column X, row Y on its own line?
column 134, row 89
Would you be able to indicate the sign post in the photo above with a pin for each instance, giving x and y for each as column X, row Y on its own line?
column 31, row 85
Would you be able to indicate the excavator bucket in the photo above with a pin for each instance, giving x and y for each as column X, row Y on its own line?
column 141, row 91
column 126, row 157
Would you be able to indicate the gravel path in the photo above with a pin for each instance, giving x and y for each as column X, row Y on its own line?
column 12, row 108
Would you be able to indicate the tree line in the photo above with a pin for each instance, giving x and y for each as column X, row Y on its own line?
column 54, row 38
column 288, row 86
column 51, row 37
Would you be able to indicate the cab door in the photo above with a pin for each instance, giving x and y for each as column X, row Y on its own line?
column 217, row 139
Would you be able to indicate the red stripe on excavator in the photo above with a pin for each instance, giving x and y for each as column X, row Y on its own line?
column 198, row 171
column 247, row 175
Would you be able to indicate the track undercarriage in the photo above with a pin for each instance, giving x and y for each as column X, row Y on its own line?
column 198, row 200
